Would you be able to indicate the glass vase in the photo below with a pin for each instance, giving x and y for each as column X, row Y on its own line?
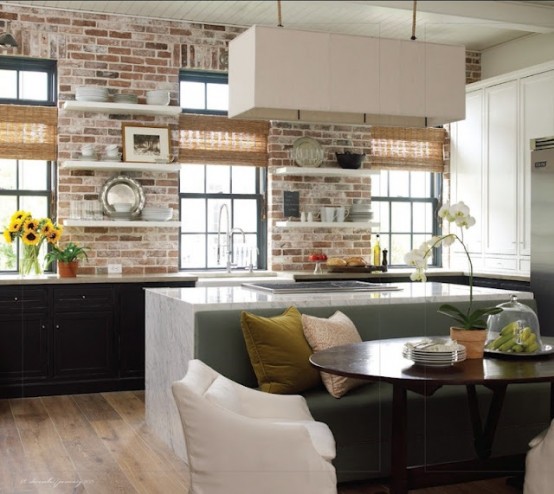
column 29, row 263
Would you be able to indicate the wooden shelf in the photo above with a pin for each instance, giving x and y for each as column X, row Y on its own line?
column 321, row 224
column 121, row 108
column 324, row 172
column 120, row 166
column 121, row 223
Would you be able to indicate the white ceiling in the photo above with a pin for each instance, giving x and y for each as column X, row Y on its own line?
column 476, row 24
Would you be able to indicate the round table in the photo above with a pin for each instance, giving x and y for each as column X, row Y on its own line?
column 382, row 360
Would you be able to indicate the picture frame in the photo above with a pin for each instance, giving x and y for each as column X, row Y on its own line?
column 146, row 143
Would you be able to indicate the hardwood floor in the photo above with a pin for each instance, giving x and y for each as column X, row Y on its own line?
column 98, row 443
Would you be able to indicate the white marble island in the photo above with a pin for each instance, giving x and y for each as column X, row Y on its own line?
column 170, row 332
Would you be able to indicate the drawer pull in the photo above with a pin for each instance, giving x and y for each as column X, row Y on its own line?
column 16, row 299
column 83, row 297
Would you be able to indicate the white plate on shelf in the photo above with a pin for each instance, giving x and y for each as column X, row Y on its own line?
column 307, row 152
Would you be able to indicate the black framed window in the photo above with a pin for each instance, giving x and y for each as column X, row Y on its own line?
column 25, row 184
column 208, row 192
column 27, row 81
column 203, row 92
column 209, row 196
column 405, row 203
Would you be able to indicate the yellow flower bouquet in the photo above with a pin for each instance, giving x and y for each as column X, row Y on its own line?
column 32, row 232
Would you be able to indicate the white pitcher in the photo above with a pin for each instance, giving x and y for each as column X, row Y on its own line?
column 328, row 214
column 341, row 213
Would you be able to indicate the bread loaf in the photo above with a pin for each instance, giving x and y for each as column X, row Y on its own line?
column 355, row 261
column 336, row 261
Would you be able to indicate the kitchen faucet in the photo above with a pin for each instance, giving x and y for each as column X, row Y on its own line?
column 229, row 238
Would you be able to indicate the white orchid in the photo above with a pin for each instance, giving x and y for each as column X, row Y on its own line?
column 459, row 215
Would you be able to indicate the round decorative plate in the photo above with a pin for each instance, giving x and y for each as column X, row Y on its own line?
column 307, row 152
column 546, row 350
column 122, row 189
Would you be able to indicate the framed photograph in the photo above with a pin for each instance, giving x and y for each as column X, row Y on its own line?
column 145, row 144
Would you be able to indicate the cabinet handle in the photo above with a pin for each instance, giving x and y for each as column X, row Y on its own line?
column 43, row 326
column 57, row 326
column 83, row 297
column 16, row 299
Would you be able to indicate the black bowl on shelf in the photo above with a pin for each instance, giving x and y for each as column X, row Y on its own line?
column 350, row 161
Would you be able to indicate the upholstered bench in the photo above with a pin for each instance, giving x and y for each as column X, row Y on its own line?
column 439, row 426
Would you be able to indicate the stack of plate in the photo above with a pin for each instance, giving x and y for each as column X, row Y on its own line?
column 126, row 98
column 157, row 214
column 360, row 212
column 92, row 93
column 434, row 353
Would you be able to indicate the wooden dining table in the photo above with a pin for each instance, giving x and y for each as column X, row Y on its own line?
column 382, row 360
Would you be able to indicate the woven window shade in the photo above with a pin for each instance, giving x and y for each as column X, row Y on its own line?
column 219, row 140
column 414, row 149
column 28, row 132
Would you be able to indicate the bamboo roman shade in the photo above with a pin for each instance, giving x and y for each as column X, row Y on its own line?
column 28, row 132
column 208, row 139
column 414, row 149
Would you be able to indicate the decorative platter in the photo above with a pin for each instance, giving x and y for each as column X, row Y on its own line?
column 546, row 350
column 307, row 152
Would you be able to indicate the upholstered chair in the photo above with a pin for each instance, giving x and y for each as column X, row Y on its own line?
column 539, row 464
column 243, row 441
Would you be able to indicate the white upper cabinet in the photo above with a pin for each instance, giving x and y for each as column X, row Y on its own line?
column 467, row 168
column 537, row 109
column 490, row 163
column 501, row 114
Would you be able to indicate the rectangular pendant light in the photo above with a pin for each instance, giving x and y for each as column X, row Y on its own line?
column 283, row 74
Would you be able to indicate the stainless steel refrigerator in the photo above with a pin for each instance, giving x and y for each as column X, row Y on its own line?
column 542, row 231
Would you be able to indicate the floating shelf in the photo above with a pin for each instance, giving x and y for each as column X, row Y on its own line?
column 321, row 224
column 121, row 108
column 122, row 223
column 120, row 165
column 325, row 172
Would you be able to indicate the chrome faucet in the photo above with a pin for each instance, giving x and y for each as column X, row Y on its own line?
column 228, row 236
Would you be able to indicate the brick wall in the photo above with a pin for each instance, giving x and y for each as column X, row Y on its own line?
column 136, row 55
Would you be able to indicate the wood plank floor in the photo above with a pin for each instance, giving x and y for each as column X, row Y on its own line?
column 99, row 443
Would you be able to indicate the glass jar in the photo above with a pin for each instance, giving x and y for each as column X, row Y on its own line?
column 514, row 330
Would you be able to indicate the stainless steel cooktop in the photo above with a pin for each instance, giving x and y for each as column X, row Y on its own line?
column 321, row 287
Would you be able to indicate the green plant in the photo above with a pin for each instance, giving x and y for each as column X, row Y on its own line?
column 459, row 214
column 70, row 253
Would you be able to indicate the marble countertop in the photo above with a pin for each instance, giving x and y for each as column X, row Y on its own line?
column 205, row 278
column 52, row 279
column 394, row 273
column 238, row 297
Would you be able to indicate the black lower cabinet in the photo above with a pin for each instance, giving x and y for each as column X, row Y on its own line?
column 84, row 345
column 23, row 348
column 75, row 338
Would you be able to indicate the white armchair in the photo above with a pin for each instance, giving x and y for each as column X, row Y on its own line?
column 539, row 463
column 243, row 441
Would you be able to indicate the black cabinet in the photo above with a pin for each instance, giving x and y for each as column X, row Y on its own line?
column 24, row 323
column 72, row 338
column 83, row 336
column 131, row 330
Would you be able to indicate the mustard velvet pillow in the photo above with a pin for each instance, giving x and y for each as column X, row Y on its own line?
column 324, row 333
column 279, row 352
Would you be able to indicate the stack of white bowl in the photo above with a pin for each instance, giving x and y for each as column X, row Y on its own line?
column 157, row 214
column 126, row 98
column 360, row 212
column 159, row 97
column 92, row 93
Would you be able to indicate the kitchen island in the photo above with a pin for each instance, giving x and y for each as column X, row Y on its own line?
column 174, row 335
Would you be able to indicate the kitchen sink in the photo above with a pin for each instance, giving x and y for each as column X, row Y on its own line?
column 321, row 287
